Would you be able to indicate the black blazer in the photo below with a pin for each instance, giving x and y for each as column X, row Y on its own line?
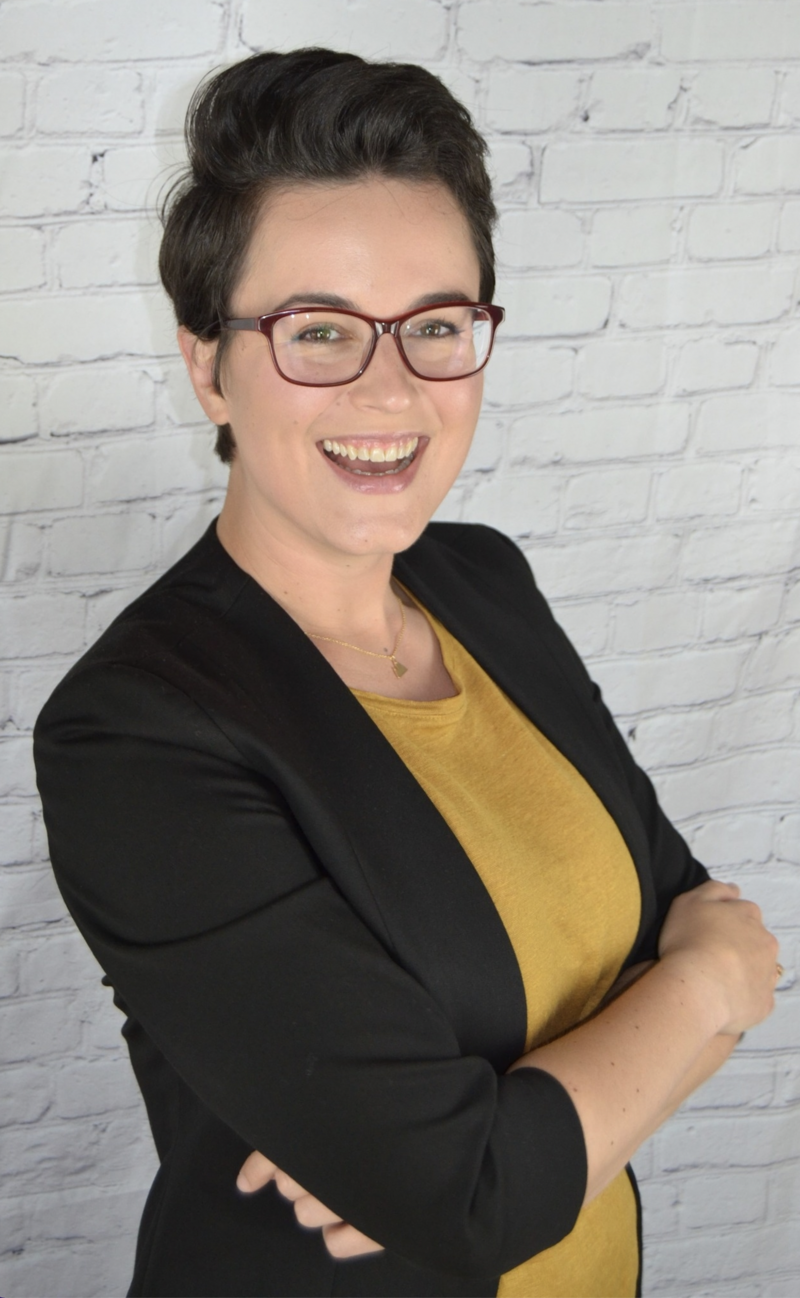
column 309, row 962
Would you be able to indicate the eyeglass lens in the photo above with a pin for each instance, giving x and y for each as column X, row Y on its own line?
column 322, row 347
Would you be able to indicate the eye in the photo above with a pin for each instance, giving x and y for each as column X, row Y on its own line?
column 433, row 328
column 319, row 333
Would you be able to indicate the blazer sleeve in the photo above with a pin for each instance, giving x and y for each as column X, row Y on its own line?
column 673, row 869
column 199, row 895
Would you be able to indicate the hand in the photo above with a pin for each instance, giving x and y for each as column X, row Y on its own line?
column 341, row 1239
column 716, row 935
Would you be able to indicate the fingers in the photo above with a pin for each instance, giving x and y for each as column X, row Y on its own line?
column 345, row 1241
column 256, row 1171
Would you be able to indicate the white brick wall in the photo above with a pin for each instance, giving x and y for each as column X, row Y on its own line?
column 641, row 439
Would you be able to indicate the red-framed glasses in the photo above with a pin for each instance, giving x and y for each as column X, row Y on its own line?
column 326, row 347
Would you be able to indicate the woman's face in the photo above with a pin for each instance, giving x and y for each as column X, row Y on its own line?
column 382, row 247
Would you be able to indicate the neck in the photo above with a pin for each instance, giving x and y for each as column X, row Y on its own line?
column 324, row 590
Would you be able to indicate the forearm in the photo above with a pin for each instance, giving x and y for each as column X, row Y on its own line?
column 630, row 1066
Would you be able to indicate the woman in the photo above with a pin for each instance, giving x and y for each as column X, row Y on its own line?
column 335, row 804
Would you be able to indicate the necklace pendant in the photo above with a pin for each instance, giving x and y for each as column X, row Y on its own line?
column 398, row 668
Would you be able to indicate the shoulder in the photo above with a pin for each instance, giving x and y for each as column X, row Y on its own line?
column 481, row 553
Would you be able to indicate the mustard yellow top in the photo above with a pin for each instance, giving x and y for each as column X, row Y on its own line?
column 562, row 879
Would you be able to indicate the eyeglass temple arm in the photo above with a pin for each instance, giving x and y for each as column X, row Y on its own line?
column 250, row 323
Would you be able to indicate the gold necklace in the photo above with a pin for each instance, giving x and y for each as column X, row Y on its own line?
column 397, row 667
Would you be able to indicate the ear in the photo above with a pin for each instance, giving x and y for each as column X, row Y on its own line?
column 198, row 355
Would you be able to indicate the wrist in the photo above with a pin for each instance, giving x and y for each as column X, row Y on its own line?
column 700, row 986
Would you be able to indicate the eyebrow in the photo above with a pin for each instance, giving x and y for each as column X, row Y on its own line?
column 333, row 300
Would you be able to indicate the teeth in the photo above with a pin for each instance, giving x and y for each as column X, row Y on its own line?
column 375, row 454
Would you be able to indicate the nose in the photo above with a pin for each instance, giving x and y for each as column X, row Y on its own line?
column 386, row 382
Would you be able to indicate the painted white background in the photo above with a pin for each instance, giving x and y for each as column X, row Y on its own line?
column 640, row 439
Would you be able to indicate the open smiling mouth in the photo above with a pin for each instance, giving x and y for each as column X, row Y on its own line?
column 372, row 461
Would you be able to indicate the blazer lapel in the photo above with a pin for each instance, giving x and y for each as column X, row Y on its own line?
column 525, row 659
column 380, row 837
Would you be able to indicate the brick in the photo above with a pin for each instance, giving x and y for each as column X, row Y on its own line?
column 528, row 375
column 586, row 623
column 99, row 1086
column 531, row 99
column 784, row 361
column 26, row 1093
column 185, row 524
column 57, row 962
column 677, row 680
column 731, row 614
column 609, row 433
column 776, row 890
column 72, row 1268
column 102, row 543
column 789, row 228
column 22, row 255
column 633, row 236
column 752, row 420
column 170, row 88
column 43, row 180
column 123, row 471
column 764, row 720
column 36, row 624
column 102, row 1022
column 610, row 170
column 769, row 165
column 30, row 896
column 660, row 1205
column 672, row 739
column 735, row 97
column 781, row 1031
column 743, row 780
column 465, row 84
column 725, row 231
column 99, row 252
column 738, row 839
column 21, row 549
column 372, row 28
column 17, row 776
column 86, row 328
column 98, row 400
column 633, row 99
column 133, row 176
column 660, row 620
column 185, row 462
column 599, row 499
column 622, row 369
column 710, row 1267
column 555, row 306
column 776, row 661
column 33, row 480
column 34, row 1030
column 692, row 490
column 710, row 363
column 12, row 103
column 773, row 484
column 726, row 29
column 706, row 295
column 605, row 563
column 90, row 100
column 95, row 31
column 20, row 413
column 510, row 164
column 792, row 609
column 725, row 1200
column 552, row 33
column 784, row 1196
column 536, row 238
column 9, row 973
column 522, row 506
column 787, row 837
column 740, row 549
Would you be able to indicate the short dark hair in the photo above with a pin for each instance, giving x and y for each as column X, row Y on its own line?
column 308, row 116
